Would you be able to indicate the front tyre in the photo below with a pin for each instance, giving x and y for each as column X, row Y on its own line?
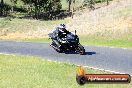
column 81, row 49
column 59, row 49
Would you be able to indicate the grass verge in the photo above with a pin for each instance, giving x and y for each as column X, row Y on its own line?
column 13, row 25
column 109, row 43
column 33, row 72
column 37, row 40
column 89, row 41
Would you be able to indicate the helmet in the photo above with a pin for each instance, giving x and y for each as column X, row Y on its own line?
column 62, row 27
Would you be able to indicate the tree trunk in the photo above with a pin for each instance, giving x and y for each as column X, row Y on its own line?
column 73, row 8
column 13, row 5
column 1, row 7
column 69, row 7
column 107, row 2
column 2, row 1
column 12, row 9
column 36, row 9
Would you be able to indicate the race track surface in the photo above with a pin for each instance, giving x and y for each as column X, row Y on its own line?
column 114, row 59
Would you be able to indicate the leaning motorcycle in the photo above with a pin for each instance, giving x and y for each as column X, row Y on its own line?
column 69, row 43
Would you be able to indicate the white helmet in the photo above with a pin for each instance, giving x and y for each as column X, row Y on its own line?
column 62, row 27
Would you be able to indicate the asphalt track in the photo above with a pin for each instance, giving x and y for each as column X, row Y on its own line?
column 115, row 59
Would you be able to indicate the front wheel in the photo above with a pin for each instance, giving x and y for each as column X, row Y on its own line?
column 59, row 50
column 81, row 49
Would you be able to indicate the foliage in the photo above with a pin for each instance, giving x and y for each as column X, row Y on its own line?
column 34, row 7
column 44, row 5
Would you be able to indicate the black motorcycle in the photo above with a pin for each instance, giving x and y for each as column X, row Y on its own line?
column 69, row 43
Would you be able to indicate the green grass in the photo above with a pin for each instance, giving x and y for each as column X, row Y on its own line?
column 108, row 39
column 109, row 43
column 34, row 72
column 38, row 40
column 91, row 42
column 121, row 40
column 24, row 25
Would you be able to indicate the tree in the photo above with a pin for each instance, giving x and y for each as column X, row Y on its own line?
column 2, row 1
column 107, row 2
column 69, row 5
column 13, row 4
column 89, row 3
column 73, row 7
column 35, row 4
column 36, row 8
column 92, row 3
column 41, row 6
column 1, row 7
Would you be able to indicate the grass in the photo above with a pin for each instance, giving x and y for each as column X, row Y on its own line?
column 110, row 43
column 89, row 41
column 34, row 72
column 35, row 30
column 40, row 28
column 37, row 40
column 123, row 41
column 24, row 25
column 125, row 12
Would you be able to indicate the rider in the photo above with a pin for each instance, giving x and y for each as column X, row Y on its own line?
column 59, row 33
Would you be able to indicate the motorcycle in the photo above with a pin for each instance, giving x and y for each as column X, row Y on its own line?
column 69, row 43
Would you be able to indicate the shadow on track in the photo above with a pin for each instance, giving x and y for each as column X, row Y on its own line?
column 86, row 53
column 90, row 53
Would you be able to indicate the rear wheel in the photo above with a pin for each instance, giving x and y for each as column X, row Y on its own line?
column 81, row 49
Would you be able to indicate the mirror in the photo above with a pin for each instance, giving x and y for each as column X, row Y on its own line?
column 75, row 32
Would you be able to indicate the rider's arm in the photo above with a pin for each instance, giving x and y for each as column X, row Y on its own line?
column 55, row 33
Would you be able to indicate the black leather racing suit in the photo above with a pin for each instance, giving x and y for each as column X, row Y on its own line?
column 57, row 36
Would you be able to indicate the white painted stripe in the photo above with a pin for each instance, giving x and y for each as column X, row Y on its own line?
column 105, row 70
column 8, row 54
column 76, row 65
column 115, row 72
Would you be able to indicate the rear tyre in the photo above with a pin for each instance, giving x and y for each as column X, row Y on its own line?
column 81, row 49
